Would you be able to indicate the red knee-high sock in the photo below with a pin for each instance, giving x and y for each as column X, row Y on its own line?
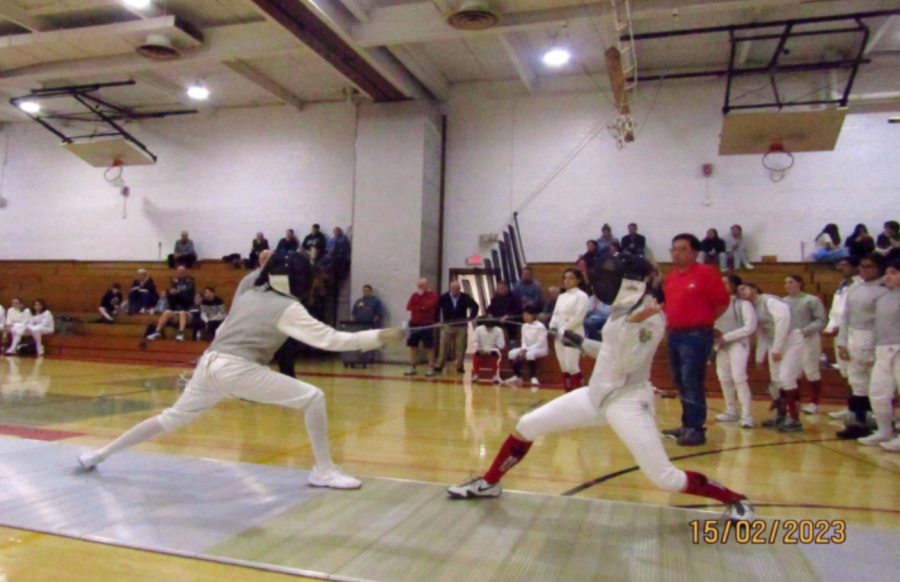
column 815, row 389
column 700, row 484
column 567, row 382
column 512, row 451
column 793, row 399
column 577, row 380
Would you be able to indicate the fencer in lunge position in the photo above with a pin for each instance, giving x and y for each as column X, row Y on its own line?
column 568, row 315
column 619, row 392
column 807, row 315
column 856, row 342
column 886, row 371
column 784, row 347
column 732, row 344
column 236, row 364
column 534, row 346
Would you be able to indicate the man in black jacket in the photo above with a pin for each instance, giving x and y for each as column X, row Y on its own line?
column 506, row 306
column 455, row 306
column 633, row 242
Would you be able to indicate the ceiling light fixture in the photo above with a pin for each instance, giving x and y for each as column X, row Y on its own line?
column 29, row 106
column 198, row 91
column 557, row 56
column 137, row 3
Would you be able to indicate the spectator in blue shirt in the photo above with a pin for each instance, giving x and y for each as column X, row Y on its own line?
column 336, row 261
column 606, row 239
column 529, row 291
column 368, row 308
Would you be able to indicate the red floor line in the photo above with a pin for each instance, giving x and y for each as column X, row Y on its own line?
column 38, row 434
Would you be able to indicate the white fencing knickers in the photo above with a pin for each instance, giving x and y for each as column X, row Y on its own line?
column 784, row 374
column 219, row 376
column 568, row 357
column 630, row 413
column 530, row 353
column 884, row 382
column 812, row 357
column 861, row 346
column 731, row 369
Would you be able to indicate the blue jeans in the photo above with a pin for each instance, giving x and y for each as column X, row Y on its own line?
column 831, row 256
column 593, row 325
column 689, row 352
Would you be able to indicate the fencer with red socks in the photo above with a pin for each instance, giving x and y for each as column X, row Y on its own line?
column 568, row 315
column 619, row 393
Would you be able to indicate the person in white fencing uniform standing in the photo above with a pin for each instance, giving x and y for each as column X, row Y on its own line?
column 886, row 371
column 856, row 342
column 785, row 350
column 619, row 392
column 236, row 365
column 807, row 315
column 534, row 346
column 849, row 269
column 732, row 344
column 568, row 315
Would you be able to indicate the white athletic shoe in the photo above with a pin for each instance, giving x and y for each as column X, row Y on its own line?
column 841, row 415
column 179, row 337
column 514, row 380
column 810, row 408
column 333, row 478
column 154, row 336
column 740, row 511
column 727, row 417
column 748, row 422
column 496, row 379
column 748, row 266
column 10, row 352
column 89, row 460
column 474, row 489
column 40, row 351
column 892, row 445
column 874, row 440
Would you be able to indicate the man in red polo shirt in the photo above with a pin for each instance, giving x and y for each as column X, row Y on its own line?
column 695, row 298
column 422, row 307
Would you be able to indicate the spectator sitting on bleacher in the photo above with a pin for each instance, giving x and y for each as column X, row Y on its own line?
column 488, row 344
column 736, row 248
column 606, row 238
column 143, row 295
column 15, row 315
column 249, row 281
column 633, row 242
column 179, row 305
column 534, row 346
column 597, row 314
column 212, row 313
column 368, row 308
column 336, row 261
column 891, row 231
column 184, row 252
column 591, row 253
column 183, row 285
column 528, row 290
column 289, row 244
column 38, row 325
column 860, row 243
column 506, row 306
column 162, row 304
column 712, row 250
column 259, row 244
column 194, row 313
column 828, row 245
column 314, row 243
column 547, row 313
column 110, row 303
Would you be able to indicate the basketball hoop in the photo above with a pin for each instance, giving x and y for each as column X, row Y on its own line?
column 778, row 161
column 622, row 129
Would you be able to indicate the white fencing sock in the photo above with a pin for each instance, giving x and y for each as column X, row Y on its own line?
column 316, row 419
column 136, row 435
column 728, row 394
column 744, row 396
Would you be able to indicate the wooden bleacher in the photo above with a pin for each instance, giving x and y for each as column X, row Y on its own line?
column 73, row 289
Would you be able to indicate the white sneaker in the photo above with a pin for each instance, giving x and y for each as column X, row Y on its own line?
column 410, row 372
column 474, row 489
column 892, row 445
column 810, row 408
column 874, row 440
column 841, row 415
column 10, row 352
column 727, row 417
column 740, row 511
column 89, row 460
column 748, row 266
column 40, row 351
column 333, row 478
column 179, row 337
column 496, row 379
column 748, row 422
column 514, row 380
column 154, row 336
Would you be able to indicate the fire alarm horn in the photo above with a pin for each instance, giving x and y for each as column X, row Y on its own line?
column 707, row 170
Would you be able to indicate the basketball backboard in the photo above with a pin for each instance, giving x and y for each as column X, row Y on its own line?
column 795, row 131
column 109, row 151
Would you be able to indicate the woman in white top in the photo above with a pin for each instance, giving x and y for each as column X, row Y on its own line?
column 571, row 309
column 828, row 246
column 16, row 314
column 41, row 324
column 733, row 331
column 534, row 346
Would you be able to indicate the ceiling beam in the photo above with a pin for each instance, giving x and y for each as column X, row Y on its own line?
column 891, row 22
column 423, row 70
column 358, row 8
column 515, row 49
column 10, row 11
column 265, row 83
column 156, row 83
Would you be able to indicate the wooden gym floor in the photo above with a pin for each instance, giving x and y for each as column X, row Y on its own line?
column 442, row 432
